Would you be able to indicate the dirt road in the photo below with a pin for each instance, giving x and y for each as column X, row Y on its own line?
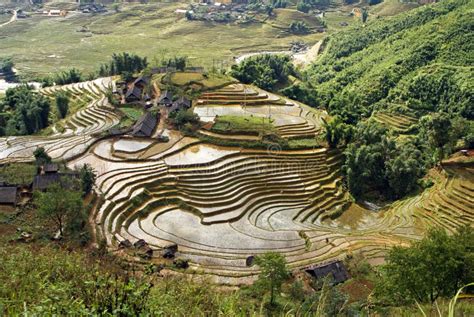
column 12, row 19
column 306, row 58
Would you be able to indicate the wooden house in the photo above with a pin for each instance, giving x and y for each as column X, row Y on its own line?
column 336, row 270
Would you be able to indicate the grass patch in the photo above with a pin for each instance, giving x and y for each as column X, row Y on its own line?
column 392, row 7
column 207, row 81
column 243, row 125
column 305, row 143
column 184, row 78
column 132, row 112
column 130, row 115
column 158, row 33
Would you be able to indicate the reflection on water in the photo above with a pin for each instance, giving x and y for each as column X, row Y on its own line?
column 355, row 218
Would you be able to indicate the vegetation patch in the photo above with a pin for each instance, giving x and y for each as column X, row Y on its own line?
column 243, row 125
column 131, row 115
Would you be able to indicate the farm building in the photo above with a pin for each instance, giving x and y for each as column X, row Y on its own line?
column 42, row 182
column 133, row 94
column 145, row 125
column 166, row 98
column 181, row 103
column 8, row 195
column 141, row 82
column 336, row 270
column 50, row 168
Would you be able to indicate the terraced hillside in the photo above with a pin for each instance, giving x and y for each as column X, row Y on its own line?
column 398, row 122
column 80, row 129
column 224, row 204
column 221, row 205
column 449, row 203
column 291, row 119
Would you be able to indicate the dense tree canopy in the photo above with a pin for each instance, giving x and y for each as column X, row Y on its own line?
column 60, row 205
column 88, row 177
column 123, row 63
column 62, row 104
column 374, row 161
column 6, row 65
column 23, row 111
column 406, row 63
column 68, row 77
column 41, row 157
column 436, row 266
column 265, row 71
column 273, row 273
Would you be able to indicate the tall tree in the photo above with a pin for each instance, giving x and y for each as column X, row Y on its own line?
column 27, row 111
column 88, row 177
column 62, row 104
column 59, row 205
column 273, row 272
column 336, row 131
column 436, row 266
column 41, row 157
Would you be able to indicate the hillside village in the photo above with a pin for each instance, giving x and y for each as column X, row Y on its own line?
column 328, row 175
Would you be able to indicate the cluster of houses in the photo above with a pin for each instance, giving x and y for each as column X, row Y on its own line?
column 146, row 124
column 140, row 92
column 218, row 11
column 47, row 175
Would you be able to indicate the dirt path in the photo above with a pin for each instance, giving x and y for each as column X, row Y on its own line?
column 304, row 59
column 242, row 57
column 12, row 19
column 299, row 59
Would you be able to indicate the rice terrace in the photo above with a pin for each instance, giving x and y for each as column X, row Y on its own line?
column 326, row 172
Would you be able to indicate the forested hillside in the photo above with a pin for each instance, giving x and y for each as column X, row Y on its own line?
column 412, row 63
column 411, row 75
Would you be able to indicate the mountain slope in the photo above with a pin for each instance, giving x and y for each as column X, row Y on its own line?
column 412, row 63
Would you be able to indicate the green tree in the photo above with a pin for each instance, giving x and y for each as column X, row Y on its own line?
column 273, row 272
column 403, row 169
column 123, row 62
column 6, row 65
column 336, row 131
column 59, row 205
column 18, row 173
column 264, row 71
column 62, row 104
column 299, row 27
column 41, row 157
column 303, row 7
column 365, row 158
column 365, row 15
column 436, row 266
column 435, row 129
column 24, row 111
column 88, row 177
column 179, row 62
column 68, row 77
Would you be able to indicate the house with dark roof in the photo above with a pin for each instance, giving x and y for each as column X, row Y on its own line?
column 133, row 94
column 145, row 125
column 181, row 103
column 50, row 168
column 335, row 270
column 141, row 82
column 66, row 180
column 166, row 98
column 8, row 195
